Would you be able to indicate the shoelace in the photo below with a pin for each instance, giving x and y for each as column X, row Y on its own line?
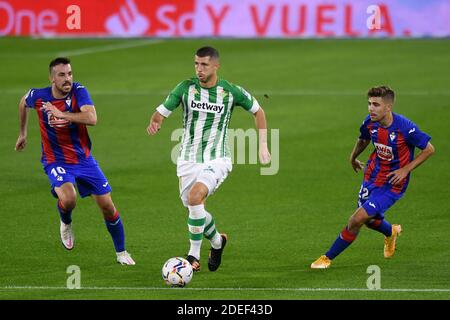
column 125, row 255
column 66, row 232
column 388, row 241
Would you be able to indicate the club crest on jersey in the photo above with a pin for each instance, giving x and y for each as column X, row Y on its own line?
column 392, row 136
column 68, row 102
column 384, row 152
column 222, row 93
column 207, row 106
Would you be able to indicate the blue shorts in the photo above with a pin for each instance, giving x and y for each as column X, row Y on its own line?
column 88, row 177
column 376, row 201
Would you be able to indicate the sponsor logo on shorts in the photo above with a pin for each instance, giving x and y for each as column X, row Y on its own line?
column 209, row 168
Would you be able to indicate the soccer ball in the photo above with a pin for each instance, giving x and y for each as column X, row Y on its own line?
column 177, row 272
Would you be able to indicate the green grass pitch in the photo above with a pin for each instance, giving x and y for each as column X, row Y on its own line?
column 277, row 225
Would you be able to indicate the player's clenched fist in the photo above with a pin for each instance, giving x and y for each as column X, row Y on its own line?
column 153, row 128
column 264, row 154
column 54, row 111
column 21, row 143
column 155, row 123
column 357, row 165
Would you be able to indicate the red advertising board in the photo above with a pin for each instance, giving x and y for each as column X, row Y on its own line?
column 129, row 18
column 226, row 18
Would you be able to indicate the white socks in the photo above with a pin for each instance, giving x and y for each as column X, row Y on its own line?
column 196, row 225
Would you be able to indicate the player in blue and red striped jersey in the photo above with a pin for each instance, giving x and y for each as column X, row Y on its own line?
column 64, row 110
column 386, row 175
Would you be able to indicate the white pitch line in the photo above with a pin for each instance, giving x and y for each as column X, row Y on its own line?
column 224, row 289
column 111, row 47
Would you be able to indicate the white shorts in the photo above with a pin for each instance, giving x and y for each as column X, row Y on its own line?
column 211, row 174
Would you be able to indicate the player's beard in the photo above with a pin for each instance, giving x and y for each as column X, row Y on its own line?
column 62, row 90
column 205, row 79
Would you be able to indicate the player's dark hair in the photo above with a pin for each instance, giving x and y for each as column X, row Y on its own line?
column 383, row 91
column 55, row 62
column 207, row 52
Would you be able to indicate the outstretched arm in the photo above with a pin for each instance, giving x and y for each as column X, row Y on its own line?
column 360, row 146
column 397, row 176
column 155, row 123
column 23, row 120
column 261, row 125
column 88, row 115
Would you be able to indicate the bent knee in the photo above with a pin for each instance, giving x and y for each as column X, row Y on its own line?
column 67, row 196
column 108, row 210
column 69, row 202
column 194, row 198
column 356, row 222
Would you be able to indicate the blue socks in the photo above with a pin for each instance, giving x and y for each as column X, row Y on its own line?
column 115, row 228
column 381, row 226
column 113, row 224
column 346, row 238
column 341, row 243
column 66, row 216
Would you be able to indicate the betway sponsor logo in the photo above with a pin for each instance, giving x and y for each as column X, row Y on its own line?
column 207, row 107
column 384, row 152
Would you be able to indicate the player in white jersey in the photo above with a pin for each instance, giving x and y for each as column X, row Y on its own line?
column 204, row 160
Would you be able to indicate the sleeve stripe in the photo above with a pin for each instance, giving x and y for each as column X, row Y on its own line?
column 255, row 107
column 29, row 95
column 163, row 110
